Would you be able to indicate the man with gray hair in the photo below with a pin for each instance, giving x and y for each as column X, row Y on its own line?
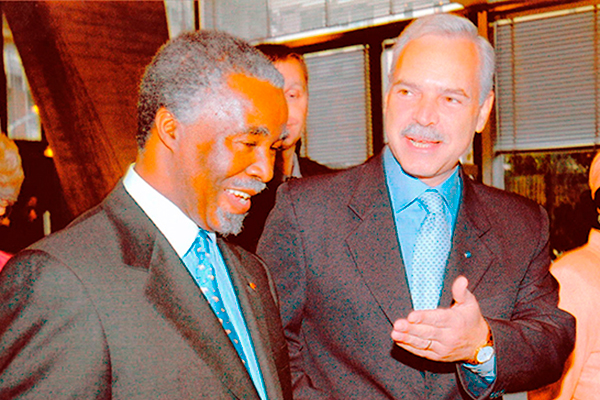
column 140, row 298
column 403, row 278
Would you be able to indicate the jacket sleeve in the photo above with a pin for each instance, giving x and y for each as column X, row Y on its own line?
column 51, row 341
column 535, row 339
column 281, row 247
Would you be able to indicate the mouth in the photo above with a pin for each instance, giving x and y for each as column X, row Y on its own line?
column 238, row 200
column 422, row 143
column 422, row 137
column 243, row 196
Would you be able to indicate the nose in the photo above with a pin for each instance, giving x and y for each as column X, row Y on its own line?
column 262, row 167
column 426, row 112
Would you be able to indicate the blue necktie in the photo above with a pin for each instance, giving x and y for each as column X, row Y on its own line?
column 432, row 247
column 198, row 262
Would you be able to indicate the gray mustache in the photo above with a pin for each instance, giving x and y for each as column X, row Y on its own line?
column 252, row 184
column 417, row 131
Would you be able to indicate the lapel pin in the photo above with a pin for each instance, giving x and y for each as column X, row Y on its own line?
column 467, row 254
column 252, row 286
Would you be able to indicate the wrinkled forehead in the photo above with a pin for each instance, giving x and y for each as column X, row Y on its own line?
column 448, row 60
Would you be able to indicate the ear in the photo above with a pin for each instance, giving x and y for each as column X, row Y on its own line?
column 167, row 127
column 484, row 112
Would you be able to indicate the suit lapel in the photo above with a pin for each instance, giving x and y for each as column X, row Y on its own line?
column 175, row 295
column 470, row 256
column 254, row 314
column 374, row 245
column 376, row 251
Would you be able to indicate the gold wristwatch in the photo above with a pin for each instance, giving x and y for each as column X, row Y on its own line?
column 485, row 352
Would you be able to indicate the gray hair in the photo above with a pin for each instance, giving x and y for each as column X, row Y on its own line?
column 191, row 71
column 451, row 26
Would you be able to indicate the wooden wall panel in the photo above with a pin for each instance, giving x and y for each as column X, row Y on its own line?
column 83, row 60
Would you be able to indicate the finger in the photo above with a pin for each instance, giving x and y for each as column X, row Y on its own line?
column 460, row 293
column 437, row 318
column 415, row 334
column 427, row 350
column 413, row 342
column 401, row 325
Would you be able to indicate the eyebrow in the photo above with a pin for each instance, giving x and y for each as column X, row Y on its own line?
column 456, row 92
column 284, row 134
column 262, row 131
column 258, row 131
column 444, row 91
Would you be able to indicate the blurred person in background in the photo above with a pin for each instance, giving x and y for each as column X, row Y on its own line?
column 11, row 179
column 578, row 273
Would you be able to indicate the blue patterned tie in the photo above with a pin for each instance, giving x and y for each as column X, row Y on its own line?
column 432, row 247
column 197, row 261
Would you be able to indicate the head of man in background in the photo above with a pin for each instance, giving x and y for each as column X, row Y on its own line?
column 295, row 73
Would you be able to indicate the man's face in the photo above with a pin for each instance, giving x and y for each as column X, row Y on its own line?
column 296, row 95
column 432, row 108
column 227, row 155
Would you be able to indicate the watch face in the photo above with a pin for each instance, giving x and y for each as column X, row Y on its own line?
column 485, row 354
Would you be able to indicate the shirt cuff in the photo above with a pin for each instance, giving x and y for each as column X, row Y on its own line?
column 487, row 370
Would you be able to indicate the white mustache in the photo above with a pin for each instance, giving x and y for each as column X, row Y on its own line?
column 428, row 133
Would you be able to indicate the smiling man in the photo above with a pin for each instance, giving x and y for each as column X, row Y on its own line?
column 140, row 298
column 403, row 278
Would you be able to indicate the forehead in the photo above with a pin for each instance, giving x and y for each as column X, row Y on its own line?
column 264, row 103
column 452, row 62
column 291, row 69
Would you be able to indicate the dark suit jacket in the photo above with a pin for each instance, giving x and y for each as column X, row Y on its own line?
column 332, row 248
column 106, row 309
column 263, row 203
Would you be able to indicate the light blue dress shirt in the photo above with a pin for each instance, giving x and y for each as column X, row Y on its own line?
column 409, row 214
column 180, row 231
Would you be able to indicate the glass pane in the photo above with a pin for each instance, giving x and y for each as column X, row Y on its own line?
column 180, row 16
column 558, row 181
column 340, row 12
column 547, row 80
column 23, row 118
column 246, row 19
column 293, row 16
column 338, row 130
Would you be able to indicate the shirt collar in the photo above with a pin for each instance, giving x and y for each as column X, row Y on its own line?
column 177, row 227
column 405, row 188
